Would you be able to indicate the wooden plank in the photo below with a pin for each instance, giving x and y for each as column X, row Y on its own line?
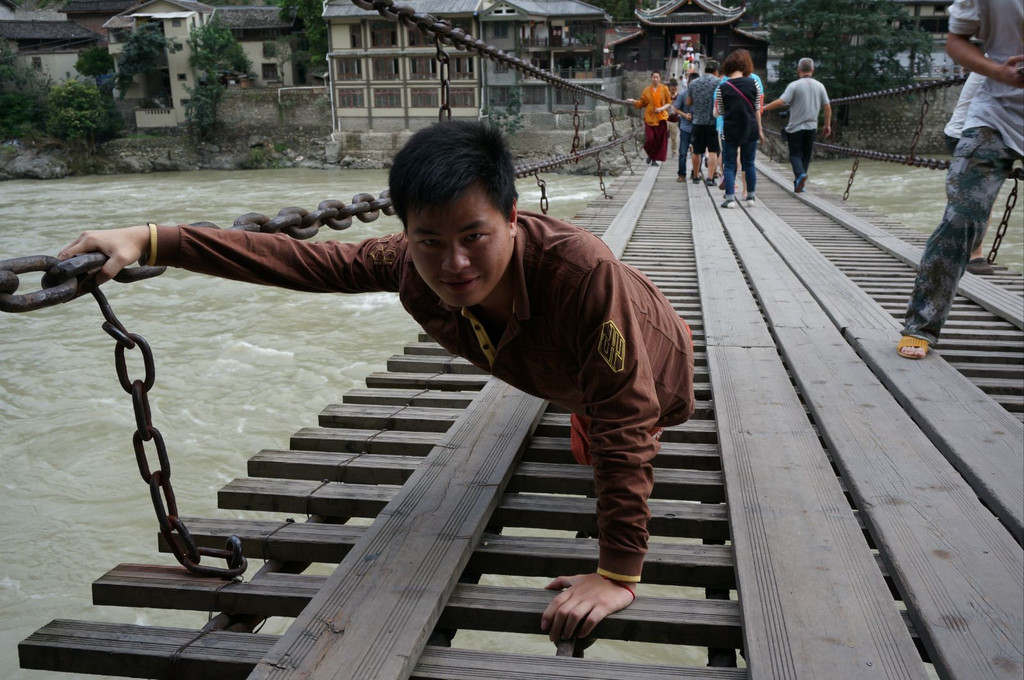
column 934, row 393
column 658, row 620
column 618, row 233
column 999, row 301
column 352, row 468
column 730, row 316
column 429, row 381
column 960, row 572
column 373, row 616
column 149, row 651
column 568, row 513
column 666, row 563
column 799, row 550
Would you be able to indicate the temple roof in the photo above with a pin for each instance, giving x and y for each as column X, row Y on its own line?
column 701, row 13
column 438, row 8
column 46, row 30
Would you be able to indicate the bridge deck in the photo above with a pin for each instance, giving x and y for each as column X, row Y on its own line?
column 831, row 510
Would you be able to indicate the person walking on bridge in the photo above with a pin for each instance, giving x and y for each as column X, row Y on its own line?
column 991, row 142
column 739, row 100
column 655, row 100
column 539, row 303
column 701, row 97
column 805, row 98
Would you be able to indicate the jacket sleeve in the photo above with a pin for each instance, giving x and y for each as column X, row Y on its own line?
column 620, row 399
column 279, row 260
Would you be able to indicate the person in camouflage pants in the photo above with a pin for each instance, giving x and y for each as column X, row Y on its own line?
column 980, row 165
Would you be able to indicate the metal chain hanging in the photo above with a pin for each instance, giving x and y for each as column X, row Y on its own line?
column 853, row 173
column 600, row 178
column 575, row 124
column 444, row 111
column 925, row 104
column 615, row 135
column 1004, row 223
column 543, row 194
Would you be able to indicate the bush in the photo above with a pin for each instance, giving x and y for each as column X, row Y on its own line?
column 78, row 112
column 20, row 114
column 95, row 62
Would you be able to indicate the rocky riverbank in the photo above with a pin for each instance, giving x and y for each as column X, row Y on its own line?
column 176, row 151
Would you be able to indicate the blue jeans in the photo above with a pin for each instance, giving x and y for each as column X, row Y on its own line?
column 980, row 164
column 747, row 153
column 684, row 149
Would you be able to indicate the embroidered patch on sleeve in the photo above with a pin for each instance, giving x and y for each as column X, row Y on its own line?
column 612, row 346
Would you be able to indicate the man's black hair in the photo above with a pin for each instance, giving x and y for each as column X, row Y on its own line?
column 710, row 66
column 440, row 162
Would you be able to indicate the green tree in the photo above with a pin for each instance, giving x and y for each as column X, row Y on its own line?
column 314, row 29
column 95, row 62
column 143, row 52
column 214, row 52
column 78, row 112
column 23, row 94
column 856, row 45
column 511, row 120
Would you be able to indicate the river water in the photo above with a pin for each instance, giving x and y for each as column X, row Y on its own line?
column 239, row 369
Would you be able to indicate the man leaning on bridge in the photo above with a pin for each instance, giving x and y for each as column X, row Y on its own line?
column 539, row 303
column 992, row 140
column 805, row 98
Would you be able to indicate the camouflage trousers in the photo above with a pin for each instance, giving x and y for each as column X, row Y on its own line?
column 980, row 164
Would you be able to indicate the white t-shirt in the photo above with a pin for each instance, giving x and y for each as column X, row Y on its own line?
column 805, row 97
column 955, row 127
column 999, row 24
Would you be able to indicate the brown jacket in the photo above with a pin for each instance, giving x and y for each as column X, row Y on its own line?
column 588, row 333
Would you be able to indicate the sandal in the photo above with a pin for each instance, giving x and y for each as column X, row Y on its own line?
column 910, row 341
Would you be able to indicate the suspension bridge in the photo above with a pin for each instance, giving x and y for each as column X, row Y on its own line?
column 830, row 511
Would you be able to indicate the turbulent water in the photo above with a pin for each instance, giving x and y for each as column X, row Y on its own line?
column 239, row 369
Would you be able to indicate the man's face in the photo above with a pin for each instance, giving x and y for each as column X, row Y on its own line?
column 462, row 250
column 655, row 79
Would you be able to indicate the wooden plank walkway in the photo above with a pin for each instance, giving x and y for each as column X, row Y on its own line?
column 831, row 511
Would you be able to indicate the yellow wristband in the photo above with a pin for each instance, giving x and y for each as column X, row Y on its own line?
column 151, row 260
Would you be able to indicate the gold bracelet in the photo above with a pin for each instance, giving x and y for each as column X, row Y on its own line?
column 151, row 260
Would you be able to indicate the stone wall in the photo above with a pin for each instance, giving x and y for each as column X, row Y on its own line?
column 263, row 107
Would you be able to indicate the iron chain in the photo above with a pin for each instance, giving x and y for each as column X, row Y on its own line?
column 173, row 529
column 1004, row 223
column 444, row 111
column 853, row 173
column 543, row 194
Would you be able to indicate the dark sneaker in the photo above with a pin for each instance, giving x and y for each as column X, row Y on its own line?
column 648, row 161
column 730, row 203
column 654, row 164
column 695, row 180
column 751, row 200
column 798, row 185
column 710, row 182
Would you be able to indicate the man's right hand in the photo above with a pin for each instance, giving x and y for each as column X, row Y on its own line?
column 121, row 246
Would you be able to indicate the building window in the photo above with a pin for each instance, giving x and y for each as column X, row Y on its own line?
column 500, row 67
column 462, row 68
column 417, row 39
column 390, row 98
column 422, row 68
column 462, row 97
column 176, row 23
column 348, row 69
column 506, row 10
column 37, row 63
column 385, row 69
column 565, row 97
column 269, row 49
column 499, row 96
column 182, row 77
column 183, row 102
column 270, row 71
column 383, row 34
column 424, row 98
column 350, row 99
column 500, row 29
column 356, row 35
column 535, row 95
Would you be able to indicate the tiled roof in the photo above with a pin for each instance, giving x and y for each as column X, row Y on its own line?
column 240, row 17
column 689, row 19
column 97, row 6
column 45, row 30
column 708, row 6
column 439, row 8
column 557, row 7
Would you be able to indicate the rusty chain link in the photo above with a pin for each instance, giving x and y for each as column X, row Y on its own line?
column 444, row 111
column 900, row 91
column 853, row 173
column 575, row 124
column 925, row 104
column 600, row 178
column 1004, row 223
column 615, row 135
column 543, row 194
